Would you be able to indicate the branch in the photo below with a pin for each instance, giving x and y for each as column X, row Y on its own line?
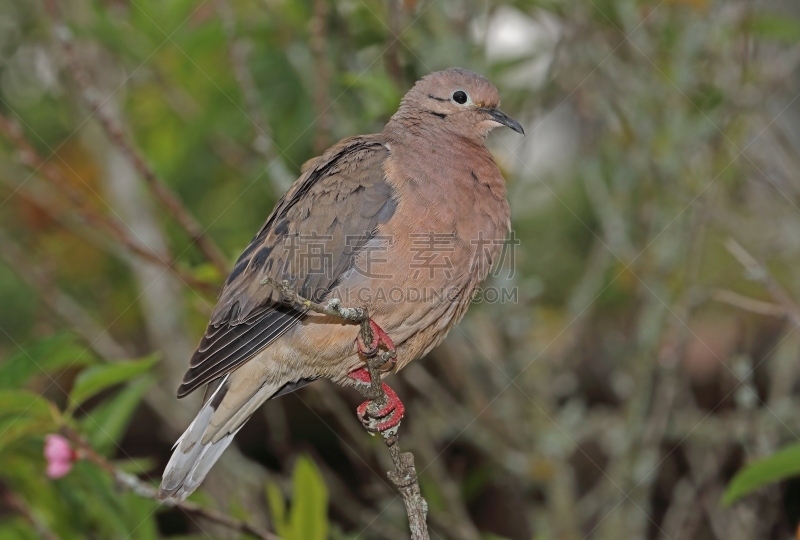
column 116, row 134
column 758, row 272
column 137, row 486
column 405, row 474
column 29, row 157
column 748, row 304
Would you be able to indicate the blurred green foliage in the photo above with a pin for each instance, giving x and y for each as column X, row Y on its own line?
column 783, row 464
column 307, row 518
column 85, row 499
column 643, row 156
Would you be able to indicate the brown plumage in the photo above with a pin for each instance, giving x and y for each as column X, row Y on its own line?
column 406, row 222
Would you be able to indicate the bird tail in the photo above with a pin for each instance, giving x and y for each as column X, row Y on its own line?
column 208, row 436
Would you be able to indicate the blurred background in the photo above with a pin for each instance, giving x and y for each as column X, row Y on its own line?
column 641, row 382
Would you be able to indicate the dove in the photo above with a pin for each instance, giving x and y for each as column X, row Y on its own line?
column 406, row 223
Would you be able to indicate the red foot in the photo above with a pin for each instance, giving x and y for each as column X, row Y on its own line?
column 387, row 417
column 379, row 338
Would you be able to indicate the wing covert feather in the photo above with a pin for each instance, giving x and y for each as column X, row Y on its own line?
column 310, row 239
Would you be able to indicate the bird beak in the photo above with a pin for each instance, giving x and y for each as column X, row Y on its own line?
column 502, row 118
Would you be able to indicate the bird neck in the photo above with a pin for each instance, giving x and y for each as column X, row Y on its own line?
column 437, row 159
column 413, row 125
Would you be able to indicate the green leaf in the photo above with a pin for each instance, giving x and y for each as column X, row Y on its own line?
column 277, row 508
column 778, row 27
column 24, row 414
column 46, row 356
column 782, row 464
column 17, row 528
column 98, row 378
column 18, row 403
column 309, row 513
column 308, row 516
column 13, row 430
column 107, row 422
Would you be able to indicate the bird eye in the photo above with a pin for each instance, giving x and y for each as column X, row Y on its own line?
column 460, row 97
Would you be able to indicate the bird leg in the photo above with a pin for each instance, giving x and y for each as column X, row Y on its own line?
column 379, row 337
column 384, row 410
column 378, row 415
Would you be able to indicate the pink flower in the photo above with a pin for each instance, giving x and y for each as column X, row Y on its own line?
column 59, row 455
column 57, row 469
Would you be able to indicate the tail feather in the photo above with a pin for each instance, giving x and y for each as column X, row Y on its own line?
column 232, row 402
column 191, row 457
column 185, row 475
column 234, row 420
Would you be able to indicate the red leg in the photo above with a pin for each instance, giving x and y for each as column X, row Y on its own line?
column 387, row 417
column 379, row 337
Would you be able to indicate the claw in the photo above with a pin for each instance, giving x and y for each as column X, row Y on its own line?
column 387, row 417
column 361, row 375
column 379, row 337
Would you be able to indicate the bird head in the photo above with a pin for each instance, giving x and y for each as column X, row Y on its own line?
column 462, row 101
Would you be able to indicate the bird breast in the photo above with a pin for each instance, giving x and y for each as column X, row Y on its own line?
column 420, row 270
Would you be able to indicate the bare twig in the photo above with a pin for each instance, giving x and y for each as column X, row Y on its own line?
column 116, row 134
column 344, row 502
column 748, row 304
column 134, row 484
column 405, row 474
column 758, row 272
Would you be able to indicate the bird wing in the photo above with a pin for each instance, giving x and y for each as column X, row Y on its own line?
column 310, row 240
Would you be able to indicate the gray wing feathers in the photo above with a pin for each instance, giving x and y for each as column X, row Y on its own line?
column 341, row 198
column 337, row 203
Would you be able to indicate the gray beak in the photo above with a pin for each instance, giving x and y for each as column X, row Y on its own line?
column 502, row 118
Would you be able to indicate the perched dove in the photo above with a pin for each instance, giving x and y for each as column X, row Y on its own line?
column 406, row 223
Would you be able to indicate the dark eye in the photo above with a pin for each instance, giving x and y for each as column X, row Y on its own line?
column 460, row 97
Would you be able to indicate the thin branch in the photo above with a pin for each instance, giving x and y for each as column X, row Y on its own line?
column 405, row 474
column 116, row 134
column 748, row 304
column 29, row 157
column 137, row 486
column 758, row 272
